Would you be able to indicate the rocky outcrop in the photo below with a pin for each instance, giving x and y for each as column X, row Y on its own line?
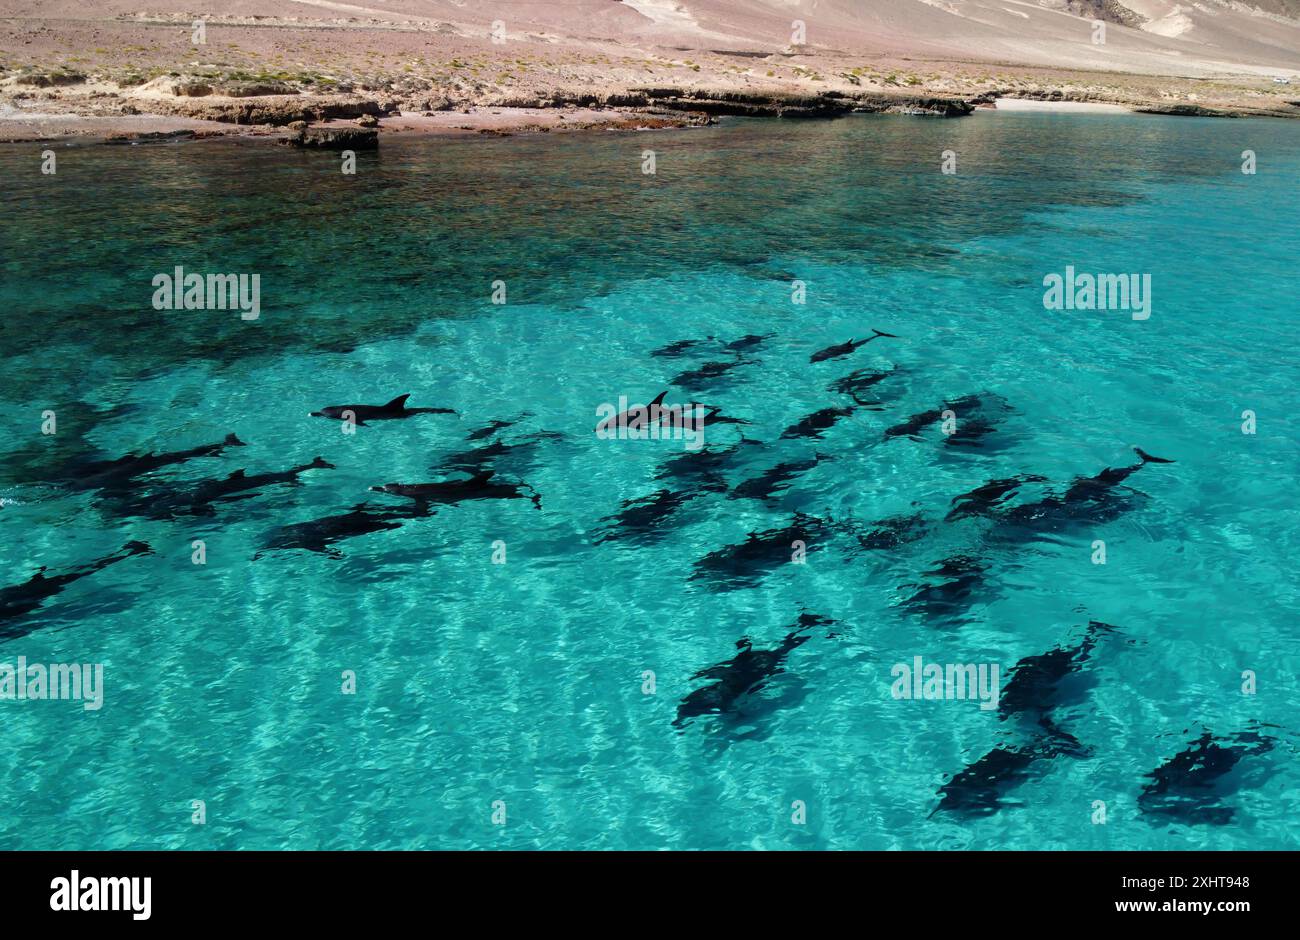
column 1184, row 110
column 50, row 79
column 827, row 104
column 1110, row 11
column 253, row 89
column 277, row 111
column 333, row 138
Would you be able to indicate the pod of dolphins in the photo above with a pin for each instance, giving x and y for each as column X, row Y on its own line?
column 1186, row 787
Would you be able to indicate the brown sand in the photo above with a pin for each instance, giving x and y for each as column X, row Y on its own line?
column 420, row 65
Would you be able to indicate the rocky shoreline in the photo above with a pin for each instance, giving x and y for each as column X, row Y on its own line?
column 58, row 105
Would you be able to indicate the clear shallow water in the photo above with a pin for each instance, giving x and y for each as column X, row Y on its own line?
column 523, row 682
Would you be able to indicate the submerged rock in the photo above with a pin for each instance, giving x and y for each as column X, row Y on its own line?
column 334, row 138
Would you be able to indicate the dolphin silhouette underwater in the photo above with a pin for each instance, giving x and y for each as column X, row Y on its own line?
column 839, row 350
column 321, row 535
column 1088, row 500
column 704, row 466
column 1044, row 682
column 1190, row 786
column 817, row 423
column 645, row 519
column 486, row 456
column 392, row 411
column 745, row 564
column 495, row 425
column 894, row 531
column 19, row 600
column 982, row 500
column 857, row 383
column 200, row 499
column 679, row 348
column 708, row 374
column 479, row 485
column 1038, row 685
column 118, row 473
column 956, row 583
column 775, row 479
column 746, row 343
column 975, row 416
column 745, row 674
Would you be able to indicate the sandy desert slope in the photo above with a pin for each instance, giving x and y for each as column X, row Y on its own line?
column 269, row 62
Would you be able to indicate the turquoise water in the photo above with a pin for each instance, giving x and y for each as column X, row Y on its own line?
column 523, row 682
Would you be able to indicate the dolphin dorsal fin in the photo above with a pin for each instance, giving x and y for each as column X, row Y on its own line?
column 237, row 475
column 399, row 402
column 481, row 476
column 659, row 399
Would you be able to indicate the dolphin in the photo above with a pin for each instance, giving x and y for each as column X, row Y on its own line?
column 894, row 531
column 1087, row 500
column 817, row 423
column 634, row 419
column 970, row 433
column 1041, row 683
column 705, row 375
column 320, row 535
column 982, row 500
column 1087, row 487
column 703, row 466
column 712, row 414
column 1038, row 685
column 361, row 414
column 477, row 486
column 978, row 789
column 116, row 474
column 679, row 348
column 960, row 579
column 746, row 563
column 961, row 407
column 493, row 426
column 746, row 343
column 198, row 500
column 843, row 349
column 857, row 382
column 1189, row 786
column 745, row 674
column 20, row 599
column 643, row 519
column 775, row 479
column 486, row 456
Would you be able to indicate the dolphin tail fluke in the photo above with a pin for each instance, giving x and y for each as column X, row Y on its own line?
column 1147, row 458
column 233, row 441
column 137, row 548
column 398, row 403
column 877, row 332
column 320, row 463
